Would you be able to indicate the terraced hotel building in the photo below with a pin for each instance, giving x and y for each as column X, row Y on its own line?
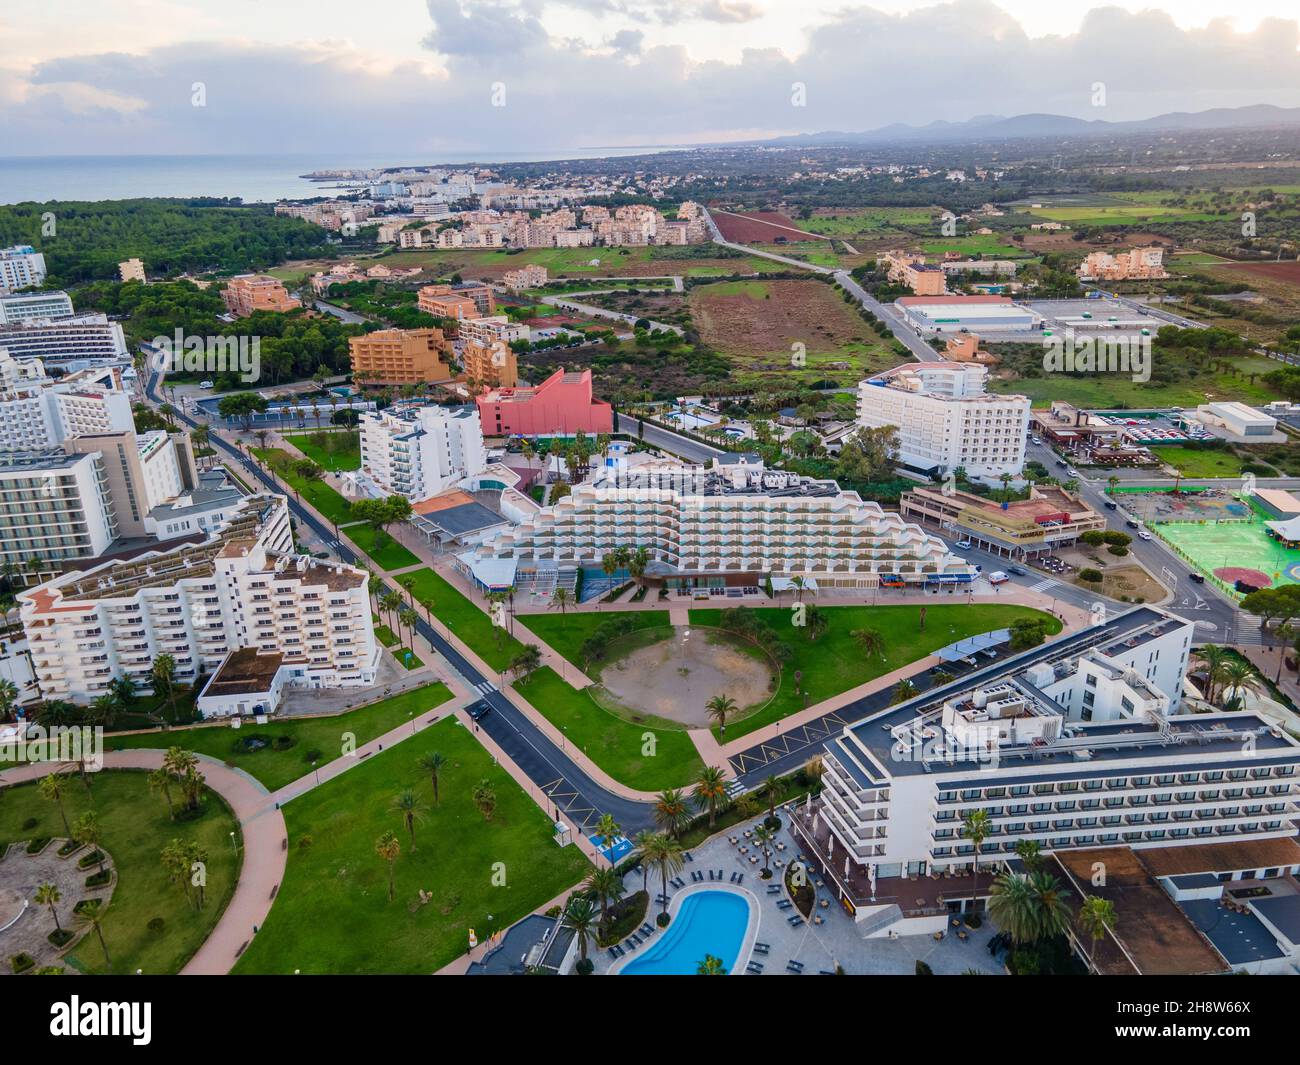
column 731, row 524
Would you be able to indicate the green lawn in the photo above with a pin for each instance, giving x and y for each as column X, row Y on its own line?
column 834, row 663
column 566, row 633
column 491, row 643
column 333, row 915
column 1196, row 462
column 391, row 555
column 326, row 735
column 642, row 757
column 332, row 506
column 341, row 450
column 135, row 828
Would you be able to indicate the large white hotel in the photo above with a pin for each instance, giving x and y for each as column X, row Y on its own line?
column 1083, row 742
column 241, row 589
column 418, row 452
column 946, row 419
column 733, row 523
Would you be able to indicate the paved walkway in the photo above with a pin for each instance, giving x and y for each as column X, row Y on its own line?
column 265, row 852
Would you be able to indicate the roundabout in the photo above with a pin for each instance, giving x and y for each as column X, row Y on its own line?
column 671, row 674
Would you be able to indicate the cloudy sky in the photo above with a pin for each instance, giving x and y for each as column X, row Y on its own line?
column 419, row 76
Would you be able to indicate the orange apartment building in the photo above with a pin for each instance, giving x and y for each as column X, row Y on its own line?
column 401, row 357
column 247, row 293
column 486, row 353
column 1136, row 264
column 912, row 271
column 472, row 299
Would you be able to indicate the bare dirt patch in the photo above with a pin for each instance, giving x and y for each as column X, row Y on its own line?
column 766, row 317
column 674, row 678
column 760, row 227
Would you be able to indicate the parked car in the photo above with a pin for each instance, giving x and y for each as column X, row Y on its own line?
column 998, row 577
column 1144, row 535
column 1110, row 504
column 1197, row 578
column 205, row 384
column 479, row 710
column 964, row 545
column 1132, row 524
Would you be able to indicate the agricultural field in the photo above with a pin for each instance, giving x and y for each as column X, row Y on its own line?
column 868, row 222
column 759, row 227
column 757, row 322
column 699, row 260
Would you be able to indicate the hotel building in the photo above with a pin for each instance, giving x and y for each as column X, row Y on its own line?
column 945, row 419
column 562, row 405
column 1136, row 264
column 418, row 452
column 77, row 343
column 731, row 524
column 524, row 277
column 20, row 308
column 246, row 293
column 1083, row 742
column 243, row 587
column 44, row 412
column 21, row 266
column 401, row 357
column 447, row 301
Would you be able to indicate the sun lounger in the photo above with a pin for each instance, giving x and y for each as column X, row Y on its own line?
column 762, row 948
column 689, row 856
column 628, row 945
column 754, row 968
column 646, row 930
column 740, row 878
column 710, row 874
column 696, row 875
column 719, row 874
column 774, row 889
column 613, row 954
column 784, row 904
column 795, row 968
column 794, row 920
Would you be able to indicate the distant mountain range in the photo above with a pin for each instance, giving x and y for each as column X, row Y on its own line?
column 998, row 127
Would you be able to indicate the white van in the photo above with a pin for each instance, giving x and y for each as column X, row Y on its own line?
column 998, row 577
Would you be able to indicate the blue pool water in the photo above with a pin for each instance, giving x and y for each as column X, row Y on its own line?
column 708, row 922
column 613, row 852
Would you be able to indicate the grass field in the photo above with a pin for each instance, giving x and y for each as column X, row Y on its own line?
column 332, row 506
column 852, row 222
column 989, row 244
column 345, row 458
column 333, row 914
column 391, row 555
column 834, row 663
column 638, row 755
column 490, row 642
column 135, row 827
column 566, row 633
column 1194, row 462
column 579, row 262
column 326, row 736
column 1119, row 391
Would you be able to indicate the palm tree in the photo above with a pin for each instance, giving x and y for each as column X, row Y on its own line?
column 1112, row 482
column 50, row 895
column 903, row 691
column 608, row 832
column 51, row 788
column 1095, row 918
column 1030, row 852
column 671, row 812
column 432, row 764
column 771, row 790
column 1049, row 898
column 580, row 919
column 975, row 827
column 641, row 841
column 637, row 563
column 1215, row 659
column 1235, row 673
column 762, row 837
column 86, row 831
column 93, row 917
column 182, row 765
column 8, row 698
column 718, row 708
column 710, row 791
column 711, row 966
column 869, row 641
column 387, row 847
column 815, row 622
column 607, row 886
column 160, row 780
column 1012, row 906
column 484, row 797
column 163, row 675
column 407, row 804
column 665, row 853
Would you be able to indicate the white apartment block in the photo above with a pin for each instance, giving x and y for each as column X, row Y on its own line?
column 44, row 412
column 54, row 506
column 733, row 523
column 21, row 266
column 489, row 331
column 1082, row 742
column 945, row 419
column 77, row 343
column 20, row 308
column 418, row 452
column 241, row 588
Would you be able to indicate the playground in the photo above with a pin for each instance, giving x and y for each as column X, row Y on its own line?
column 1233, row 550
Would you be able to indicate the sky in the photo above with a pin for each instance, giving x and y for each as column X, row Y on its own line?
column 418, row 76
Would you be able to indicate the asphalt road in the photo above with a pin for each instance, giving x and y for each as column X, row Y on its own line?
column 667, row 441
column 578, row 798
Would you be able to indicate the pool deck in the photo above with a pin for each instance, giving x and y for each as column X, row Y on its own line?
column 819, row 948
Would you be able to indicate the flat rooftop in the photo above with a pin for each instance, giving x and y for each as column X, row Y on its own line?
column 246, row 671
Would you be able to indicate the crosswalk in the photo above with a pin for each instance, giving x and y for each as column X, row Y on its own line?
column 1043, row 585
column 1248, row 631
column 485, row 688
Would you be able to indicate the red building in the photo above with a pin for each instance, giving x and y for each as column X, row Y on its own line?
column 560, row 405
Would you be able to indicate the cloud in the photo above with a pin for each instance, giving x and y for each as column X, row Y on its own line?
column 862, row 68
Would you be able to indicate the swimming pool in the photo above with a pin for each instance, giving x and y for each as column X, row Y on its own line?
column 707, row 922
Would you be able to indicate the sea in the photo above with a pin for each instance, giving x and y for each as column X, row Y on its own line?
column 251, row 178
